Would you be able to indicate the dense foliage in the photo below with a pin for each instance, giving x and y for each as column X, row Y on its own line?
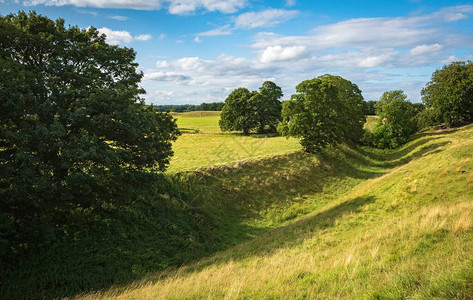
column 267, row 106
column 245, row 110
column 237, row 113
column 370, row 108
column 75, row 137
column 325, row 110
column 397, row 120
column 449, row 95
column 213, row 106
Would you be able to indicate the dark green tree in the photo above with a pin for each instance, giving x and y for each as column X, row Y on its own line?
column 370, row 108
column 316, row 113
column 267, row 106
column 74, row 133
column 237, row 113
column 449, row 95
column 397, row 120
column 351, row 114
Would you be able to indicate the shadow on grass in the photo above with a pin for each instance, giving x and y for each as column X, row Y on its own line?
column 397, row 157
column 289, row 235
column 215, row 219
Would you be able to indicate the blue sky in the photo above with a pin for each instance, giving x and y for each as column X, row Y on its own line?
column 194, row 51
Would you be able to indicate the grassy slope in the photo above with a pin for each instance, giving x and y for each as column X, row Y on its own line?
column 209, row 146
column 349, row 224
column 371, row 122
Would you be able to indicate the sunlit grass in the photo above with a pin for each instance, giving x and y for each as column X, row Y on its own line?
column 371, row 122
column 389, row 225
column 207, row 145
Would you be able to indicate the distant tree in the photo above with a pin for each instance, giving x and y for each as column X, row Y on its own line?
column 397, row 120
column 267, row 106
column 450, row 94
column 323, row 111
column 370, row 108
column 213, row 106
column 74, row 133
column 246, row 111
column 237, row 113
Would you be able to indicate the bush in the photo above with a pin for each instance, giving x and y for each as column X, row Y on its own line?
column 397, row 120
column 449, row 95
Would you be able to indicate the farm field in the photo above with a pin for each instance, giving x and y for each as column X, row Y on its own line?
column 358, row 224
column 202, row 144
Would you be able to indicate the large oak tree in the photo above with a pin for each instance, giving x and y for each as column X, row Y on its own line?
column 74, row 133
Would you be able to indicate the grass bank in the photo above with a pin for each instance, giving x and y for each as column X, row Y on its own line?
column 370, row 224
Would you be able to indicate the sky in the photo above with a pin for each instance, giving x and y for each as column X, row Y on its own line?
column 194, row 51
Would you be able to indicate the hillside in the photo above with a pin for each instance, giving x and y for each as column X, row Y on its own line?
column 348, row 224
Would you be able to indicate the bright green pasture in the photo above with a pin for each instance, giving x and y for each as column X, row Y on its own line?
column 204, row 121
column 209, row 146
column 371, row 122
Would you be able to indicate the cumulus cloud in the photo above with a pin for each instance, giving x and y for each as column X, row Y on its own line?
column 422, row 49
column 178, row 7
column 116, row 37
column 351, row 48
column 278, row 53
column 265, row 18
column 376, row 32
column 167, row 76
column 143, row 37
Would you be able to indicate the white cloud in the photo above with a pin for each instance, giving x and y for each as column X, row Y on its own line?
column 161, row 36
column 374, row 61
column 367, row 51
column 278, row 53
column 178, row 7
column 290, row 3
column 265, row 18
column 449, row 59
column 116, row 37
column 376, row 32
column 422, row 49
column 224, row 30
column 166, row 76
column 143, row 37
column 119, row 18
column 135, row 4
column 188, row 63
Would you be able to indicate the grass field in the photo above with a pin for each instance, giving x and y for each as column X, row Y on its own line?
column 203, row 144
column 349, row 223
column 371, row 122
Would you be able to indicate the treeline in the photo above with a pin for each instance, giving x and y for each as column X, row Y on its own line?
column 330, row 109
column 213, row 106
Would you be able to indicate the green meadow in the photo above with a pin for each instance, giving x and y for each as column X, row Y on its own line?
column 202, row 144
column 350, row 223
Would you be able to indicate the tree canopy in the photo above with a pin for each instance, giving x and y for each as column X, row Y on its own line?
column 74, row 132
column 449, row 94
column 325, row 110
column 397, row 120
column 245, row 110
